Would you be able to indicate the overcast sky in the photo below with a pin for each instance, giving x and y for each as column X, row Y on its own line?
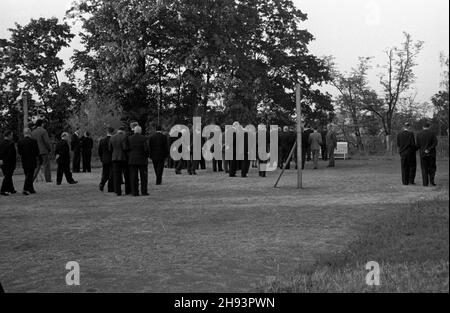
column 345, row 29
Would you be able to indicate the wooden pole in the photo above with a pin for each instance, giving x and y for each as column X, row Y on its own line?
column 299, row 138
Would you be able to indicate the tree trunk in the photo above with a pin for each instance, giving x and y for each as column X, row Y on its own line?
column 389, row 145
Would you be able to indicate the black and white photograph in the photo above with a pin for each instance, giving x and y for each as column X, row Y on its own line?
column 224, row 153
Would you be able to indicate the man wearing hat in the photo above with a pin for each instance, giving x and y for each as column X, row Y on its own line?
column 407, row 149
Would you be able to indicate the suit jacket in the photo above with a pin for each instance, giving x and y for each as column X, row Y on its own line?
column 315, row 141
column 324, row 137
column 75, row 143
column 87, row 144
column 159, row 147
column 43, row 141
column 118, row 147
column 138, row 150
column 284, row 140
column 29, row 152
column 63, row 150
column 406, row 143
column 331, row 139
column 8, row 154
column 104, row 151
column 427, row 140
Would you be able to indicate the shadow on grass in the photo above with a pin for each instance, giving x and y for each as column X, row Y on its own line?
column 411, row 244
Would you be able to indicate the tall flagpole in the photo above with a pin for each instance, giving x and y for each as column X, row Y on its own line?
column 299, row 138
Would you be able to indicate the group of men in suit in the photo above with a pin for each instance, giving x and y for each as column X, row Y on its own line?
column 34, row 150
column 125, row 159
column 408, row 144
column 313, row 142
column 82, row 151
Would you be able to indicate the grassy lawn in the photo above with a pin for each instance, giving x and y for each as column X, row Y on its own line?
column 212, row 233
column 411, row 244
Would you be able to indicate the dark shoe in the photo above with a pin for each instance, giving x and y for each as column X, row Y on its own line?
column 101, row 188
column 26, row 193
column 58, row 184
column 13, row 192
column 4, row 194
column 433, row 183
column 32, row 192
column 145, row 194
column 178, row 173
column 73, row 182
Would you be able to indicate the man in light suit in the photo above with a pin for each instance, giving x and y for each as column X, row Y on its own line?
column 315, row 142
column 118, row 147
column 331, row 140
column 45, row 148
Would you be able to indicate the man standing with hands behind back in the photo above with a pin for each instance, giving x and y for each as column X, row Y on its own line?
column 427, row 143
column 407, row 149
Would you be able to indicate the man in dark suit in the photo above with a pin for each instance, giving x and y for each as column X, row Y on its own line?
column 159, row 151
column 233, row 163
column 324, row 148
column 308, row 131
column 192, row 164
column 76, row 148
column 245, row 164
column 29, row 153
column 118, row 148
column 45, row 149
column 138, row 153
column 105, row 156
column 407, row 149
column 62, row 153
column 87, row 144
column 427, row 143
column 8, row 163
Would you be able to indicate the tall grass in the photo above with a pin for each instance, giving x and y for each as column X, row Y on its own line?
column 411, row 244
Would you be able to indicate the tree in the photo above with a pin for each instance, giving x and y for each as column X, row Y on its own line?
column 182, row 56
column 354, row 91
column 32, row 61
column 96, row 114
column 441, row 99
column 395, row 81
